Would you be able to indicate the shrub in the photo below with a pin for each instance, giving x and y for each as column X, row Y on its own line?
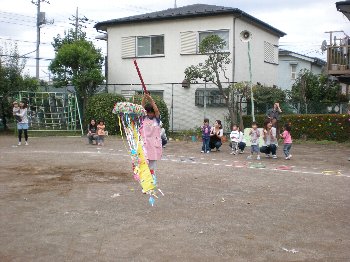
column 100, row 106
column 333, row 127
column 163, row 109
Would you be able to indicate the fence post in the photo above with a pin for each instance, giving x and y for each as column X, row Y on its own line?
column 172, row 107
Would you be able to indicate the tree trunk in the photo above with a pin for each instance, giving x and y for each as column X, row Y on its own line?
column 231, row 108
column 241, row 124
column 3, row 116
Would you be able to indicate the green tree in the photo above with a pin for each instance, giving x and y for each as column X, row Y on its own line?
column 79, row 62
column 266, row 96
column 100, row 107
column 312, row 91
column 309, row 87
column 214, row 69
column 12, row 79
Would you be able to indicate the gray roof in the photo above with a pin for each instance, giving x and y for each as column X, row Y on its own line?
column 344, row 7
column 316, row 60
column 196, row 10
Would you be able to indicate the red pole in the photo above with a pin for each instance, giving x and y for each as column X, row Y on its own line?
column 140, row 76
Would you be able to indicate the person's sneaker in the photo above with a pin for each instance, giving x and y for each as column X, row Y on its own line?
column 208, row 152
column 233, row 153
column 249, row 157
column 241, row 152
column 267, row 155
column 258, row 157
column 290, row 156
column 19, row 143
column 202, row 151
column 274, row 156
column 26, row 143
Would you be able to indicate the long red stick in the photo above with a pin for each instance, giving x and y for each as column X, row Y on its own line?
column 140, row 76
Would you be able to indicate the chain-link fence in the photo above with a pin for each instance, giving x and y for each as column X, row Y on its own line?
column 189, row 105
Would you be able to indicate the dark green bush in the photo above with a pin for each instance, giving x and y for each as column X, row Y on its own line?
column 99, row 107
column 164, row 115
column 332, row 127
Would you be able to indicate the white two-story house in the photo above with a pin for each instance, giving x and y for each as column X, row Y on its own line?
column 164, row 43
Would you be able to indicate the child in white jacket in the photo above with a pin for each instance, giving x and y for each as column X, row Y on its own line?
column 234, row 137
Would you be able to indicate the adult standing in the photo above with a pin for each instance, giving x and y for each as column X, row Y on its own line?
column 275, row 115
column 22, row 126
column 216, row 134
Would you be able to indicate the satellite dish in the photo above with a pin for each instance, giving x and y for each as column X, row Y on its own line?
column 324, row 46
column 245, row 36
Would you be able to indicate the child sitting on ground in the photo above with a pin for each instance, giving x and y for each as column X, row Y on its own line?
column 241, row 141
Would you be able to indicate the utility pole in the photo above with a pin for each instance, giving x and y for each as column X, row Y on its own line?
column 40, row 20
column 76, row 24
column 175, row 5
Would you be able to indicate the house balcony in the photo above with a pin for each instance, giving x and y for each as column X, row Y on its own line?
column 338, row 62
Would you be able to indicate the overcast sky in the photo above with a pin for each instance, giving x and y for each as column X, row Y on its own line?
column 304, row 21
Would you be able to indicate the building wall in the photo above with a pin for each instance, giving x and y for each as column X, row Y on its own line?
column 170, row 68
column 285, row 80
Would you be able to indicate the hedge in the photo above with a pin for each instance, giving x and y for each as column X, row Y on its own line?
column 100, row 106
column 164, row 114
column 332, row 127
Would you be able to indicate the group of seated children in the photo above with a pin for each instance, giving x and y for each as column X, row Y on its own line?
column 96, row 131
column 270, row 140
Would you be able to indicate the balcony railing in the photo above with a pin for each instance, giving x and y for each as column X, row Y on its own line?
column 338, row 62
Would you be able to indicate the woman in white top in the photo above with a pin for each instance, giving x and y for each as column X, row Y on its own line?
column 22, row 126
column 270, row 140
column 216, row 134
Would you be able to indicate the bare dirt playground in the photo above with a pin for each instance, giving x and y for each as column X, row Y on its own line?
column 64, row 200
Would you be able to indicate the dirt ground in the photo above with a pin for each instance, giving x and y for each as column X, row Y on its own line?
column 64, row 200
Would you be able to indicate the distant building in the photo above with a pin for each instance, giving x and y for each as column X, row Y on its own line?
column 166, row 42
column 291, row 63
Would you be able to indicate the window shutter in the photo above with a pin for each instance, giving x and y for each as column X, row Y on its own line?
column 270, row 53
column 188, row 42
column 128, row 47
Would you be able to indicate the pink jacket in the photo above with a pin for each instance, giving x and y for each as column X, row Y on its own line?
column 150, row 132
column 287, row 138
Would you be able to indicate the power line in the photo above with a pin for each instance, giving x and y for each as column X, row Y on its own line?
column 16, row 14
column 27, row 57
column 17, row 23
column 24, row 41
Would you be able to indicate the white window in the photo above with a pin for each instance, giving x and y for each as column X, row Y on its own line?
column 293, row 71
column 223, row 34
column 212, row 97
column 270, row 53
column 150, row 45
column 153, row 93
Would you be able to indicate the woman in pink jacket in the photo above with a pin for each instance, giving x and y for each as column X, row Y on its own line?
column 150, row 132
